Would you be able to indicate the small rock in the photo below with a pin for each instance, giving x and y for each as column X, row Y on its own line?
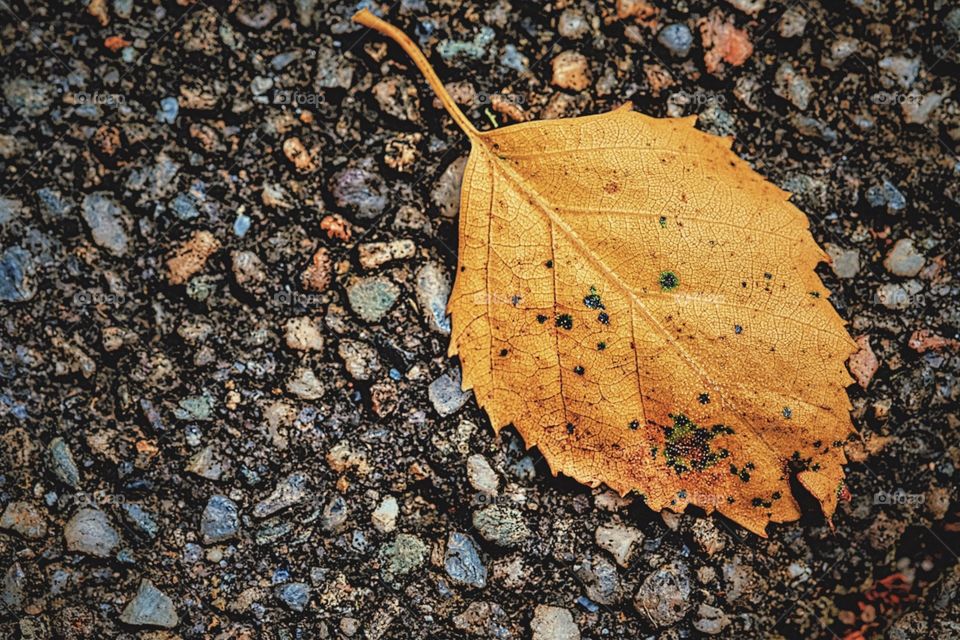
column 17, row 271
column 711, row 620
column 446, row 395
column 600, row 579
column 89, row 531
column 397, row 97
column 900, row 69
column 14, row 589
column 844, row 262
column 248, row 271
column 62, row 463
column 289, row 492
column 708, row 537
column 839, row 50
column 462, row 561
column 863, row 364
column 150, row 608
column 749, row 7
column 501, row 525
column 904, row 259
column 571, row 71
column 29, row 98
column 402, row 556
column 446, row 193
column 23, row 518
column 553, row 623
column 793, row 22
column 485, row 620
column 619, row 540
column 220, row 520
column 912, row 625
column 572, row 24
column 886, row 195
column 359, row 191
column 371, row 298
column 259, row 20
column 303, row 334
column 107, row 222
column 140, row 519
column 481, row 475
column 917, row 109
column 664, row 595
column 334, row 514
column 374, row 254
column 304, row 384
column 677, row 39
column 191, row 257
column 359, row 358
column 723, row 42
column 303, row 161
column 295, row 595
column 793, row 86
column 169, row 109
column 433, row 291
column 319, row 273
column 384, row 517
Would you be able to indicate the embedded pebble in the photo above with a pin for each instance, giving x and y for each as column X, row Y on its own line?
column 553, row 623
column 572, row 24
column 844, row 262
column 677, row 38
column 664, row 595
column 375, row 254
column 462, row 561
column 359, row 358
column 904, row 259
column 360, row 192
column 792, row 22
column 571, row 70
column 433, row 291
column 89, row 532
column 25, row 519
column 405, row 554
column 793, row 86
column 107, row 221
column 305, row 385
column 17, row 270
column 371, row 298
column 150, row 608
column 62, row 463
column 481, row 475
column 446, row 395
column 501, row 525
column 295, row 595
column 303, row 334
column 384, row 517
column 620, row 540
column 290, row 491
column 220, row 520
column 710, row 620
column 886, row 195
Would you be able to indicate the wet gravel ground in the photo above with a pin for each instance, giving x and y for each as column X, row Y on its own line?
column 225, row 249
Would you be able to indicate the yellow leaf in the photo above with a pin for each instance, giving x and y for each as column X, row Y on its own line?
column 643, row 307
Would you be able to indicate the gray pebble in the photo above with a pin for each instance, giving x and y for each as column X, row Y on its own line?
column 150, row 608
column 886, row 195
column 462, row 561
column 359, row 191
column 793, row 86
column 446, row 395
column 17, row 270
column 371, row 298
column 25, row 519
column 897, row 296
column 107, row 222
column 289, row 492
column 677, row 38
column 29, row 98
column 664, row 595
column 140, row 519
column 62, row 463
column 220, row 520
column 89, row 531
column 501, row 525
column 14, row 589
column 334, row 514
column 600, row 579
column 904, row 259
column 169, row 109
column 619, row 540
column 433, row 291
column 359, row 358
column 295, row 595
column 711, row 620
column 844, row 262
column 553, row 623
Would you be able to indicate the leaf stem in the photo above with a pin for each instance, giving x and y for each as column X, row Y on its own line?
column 367, row 19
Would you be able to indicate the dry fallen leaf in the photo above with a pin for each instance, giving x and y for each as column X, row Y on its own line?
column 643, row 307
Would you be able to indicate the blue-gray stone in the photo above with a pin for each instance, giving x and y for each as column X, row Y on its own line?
column 150, row 608
column 220, row 520
column 89, row 531
column 106, row 220
column 677, row 38
column 462, row 561
column 17, row 270
column 296, row 595
column 169, row 108
column 62, row 463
